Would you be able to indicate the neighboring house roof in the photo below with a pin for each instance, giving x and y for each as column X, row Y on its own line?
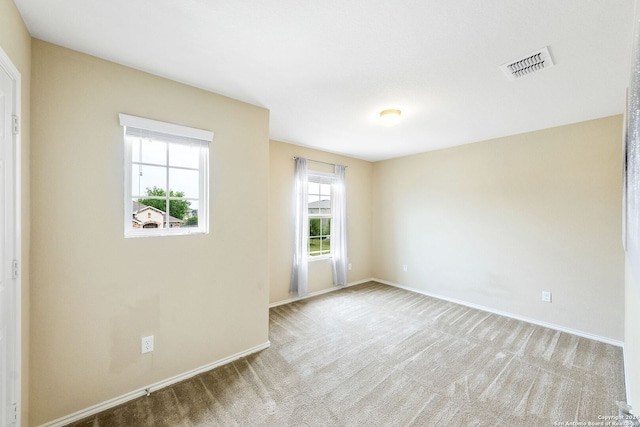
column 137, row 207
column 323, row 204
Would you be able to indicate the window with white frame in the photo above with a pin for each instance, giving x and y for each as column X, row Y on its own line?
column 319, row 205
column 166, row 174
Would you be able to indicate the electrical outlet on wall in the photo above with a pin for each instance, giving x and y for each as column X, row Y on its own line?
column 147, row 344
column 405, row 267
column 349, row 266
column 546, row 296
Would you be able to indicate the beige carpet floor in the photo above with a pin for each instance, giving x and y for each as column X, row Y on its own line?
column 374, row 355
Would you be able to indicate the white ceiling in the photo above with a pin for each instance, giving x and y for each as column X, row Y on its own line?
column 326, row 68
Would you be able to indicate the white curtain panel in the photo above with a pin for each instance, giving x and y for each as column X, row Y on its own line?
column 300, row 271
column 339, row 227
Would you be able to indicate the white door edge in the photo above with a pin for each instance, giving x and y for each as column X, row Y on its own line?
column 15, row 326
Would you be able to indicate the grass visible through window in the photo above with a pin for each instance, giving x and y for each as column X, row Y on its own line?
column 319, row 246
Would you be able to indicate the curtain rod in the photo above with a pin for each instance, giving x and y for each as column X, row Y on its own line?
column 318, row 161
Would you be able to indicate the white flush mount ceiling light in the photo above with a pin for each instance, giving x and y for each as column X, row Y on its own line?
column 390, row 117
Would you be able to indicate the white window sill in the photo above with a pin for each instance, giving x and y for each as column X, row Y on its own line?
column 318, row 258
column 163, row 234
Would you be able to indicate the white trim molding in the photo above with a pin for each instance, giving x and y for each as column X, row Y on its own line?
column 507, row 314
column 76, row 416
column 323, row 291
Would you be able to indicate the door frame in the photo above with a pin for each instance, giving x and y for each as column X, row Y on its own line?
column 15, row 297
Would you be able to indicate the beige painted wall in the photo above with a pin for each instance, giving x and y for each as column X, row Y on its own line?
column 359, row 178
column 204, row 297
column 16, row 43
column 495, row 223
column 632, row 339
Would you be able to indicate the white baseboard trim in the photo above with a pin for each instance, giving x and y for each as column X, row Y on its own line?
column 507, row 314
column 76, row 416
column 314, row 294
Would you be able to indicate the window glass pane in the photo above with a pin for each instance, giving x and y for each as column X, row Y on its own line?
column 179, row 209
column 314, row 208
column 314, row 188
column 325, row 189
column 190, row 219
column 191, row 216
column 144, row 179
column 314, row 227
column 184, row 183
column 326, row 246
column 326, row 227
column 314, row 246
column 184, row 156
column 147, row 215
column 319, row 236
column 135, row 148
column 149, row 151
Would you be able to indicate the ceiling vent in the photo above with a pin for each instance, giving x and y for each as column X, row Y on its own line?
column 528, row 64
